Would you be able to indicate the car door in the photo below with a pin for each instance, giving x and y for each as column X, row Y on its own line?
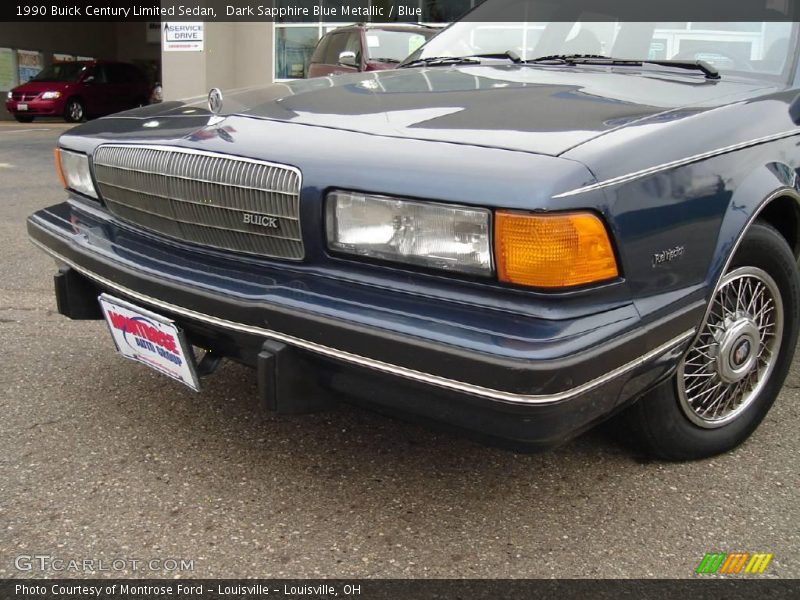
column 133, row 87
column 118, row 88
column 93, row 90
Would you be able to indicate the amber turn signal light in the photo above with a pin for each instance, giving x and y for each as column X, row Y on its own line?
column 552, row 250
column 59, row 168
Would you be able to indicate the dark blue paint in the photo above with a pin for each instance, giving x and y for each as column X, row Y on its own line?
column 490, row 135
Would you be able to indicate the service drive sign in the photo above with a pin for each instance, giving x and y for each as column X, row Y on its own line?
column 150, row 339
column 183, row 37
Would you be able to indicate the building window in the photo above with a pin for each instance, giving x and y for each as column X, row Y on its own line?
column 293, row 49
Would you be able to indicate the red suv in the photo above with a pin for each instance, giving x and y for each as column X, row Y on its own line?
column 76, row 90
column 361, row 47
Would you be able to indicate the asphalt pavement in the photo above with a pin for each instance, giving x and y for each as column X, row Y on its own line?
column 103, row 460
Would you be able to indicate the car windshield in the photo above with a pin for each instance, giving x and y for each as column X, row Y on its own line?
column 392, row 45
column 754, row 48
column 65, row 71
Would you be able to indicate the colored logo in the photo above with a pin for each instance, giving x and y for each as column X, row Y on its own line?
column 146, row 336
column 733, row 563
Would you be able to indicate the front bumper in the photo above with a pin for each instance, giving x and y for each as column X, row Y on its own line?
column 463, row 365
column 36, row 107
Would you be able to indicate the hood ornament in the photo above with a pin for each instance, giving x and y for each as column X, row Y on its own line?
column 215, row 100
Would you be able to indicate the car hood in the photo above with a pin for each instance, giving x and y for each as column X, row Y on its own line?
column 544, row 110
column 41, row 86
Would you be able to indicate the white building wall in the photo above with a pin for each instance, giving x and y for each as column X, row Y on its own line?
column 234, row 55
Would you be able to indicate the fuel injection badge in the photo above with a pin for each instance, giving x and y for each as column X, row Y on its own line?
column 667, row 256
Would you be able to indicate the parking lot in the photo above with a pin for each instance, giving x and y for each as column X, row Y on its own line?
column 102, row 459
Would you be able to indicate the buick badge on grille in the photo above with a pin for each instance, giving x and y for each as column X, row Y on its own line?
column 262, row 220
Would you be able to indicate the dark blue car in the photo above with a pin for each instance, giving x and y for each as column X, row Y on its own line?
column 525, row 229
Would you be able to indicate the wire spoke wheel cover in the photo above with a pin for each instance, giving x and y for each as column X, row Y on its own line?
column 733, row 356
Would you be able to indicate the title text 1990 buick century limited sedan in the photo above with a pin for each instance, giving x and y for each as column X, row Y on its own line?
column 513, row 238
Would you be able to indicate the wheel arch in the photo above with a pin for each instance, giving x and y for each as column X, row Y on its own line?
column 779, row 207
column 783, row 213
column 771, row 193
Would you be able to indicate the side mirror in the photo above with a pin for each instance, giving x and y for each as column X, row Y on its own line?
column 348, row 59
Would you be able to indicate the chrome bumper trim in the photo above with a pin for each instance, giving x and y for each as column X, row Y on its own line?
column 363, row 361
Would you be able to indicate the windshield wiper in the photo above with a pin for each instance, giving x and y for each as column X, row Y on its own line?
column 386, row 60
column 698, row 65
column 463, row 60
column 564, row 59
column 598, row 59
column 509, row 54
column 437, row 61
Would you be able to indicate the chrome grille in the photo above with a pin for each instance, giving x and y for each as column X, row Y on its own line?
column 203, row 198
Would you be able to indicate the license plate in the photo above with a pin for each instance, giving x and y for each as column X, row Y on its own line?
column 22, row 106
column 150, row 339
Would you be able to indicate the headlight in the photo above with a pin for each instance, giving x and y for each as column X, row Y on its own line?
column 430, row 234
column 9, row 95
column 73, row 168
column 51, row 95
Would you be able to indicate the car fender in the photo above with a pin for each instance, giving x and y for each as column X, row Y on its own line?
column 756, row 192
column 761, row 187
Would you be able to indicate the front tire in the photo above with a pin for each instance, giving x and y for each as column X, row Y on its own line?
column 74, row 111
column 730, row 376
